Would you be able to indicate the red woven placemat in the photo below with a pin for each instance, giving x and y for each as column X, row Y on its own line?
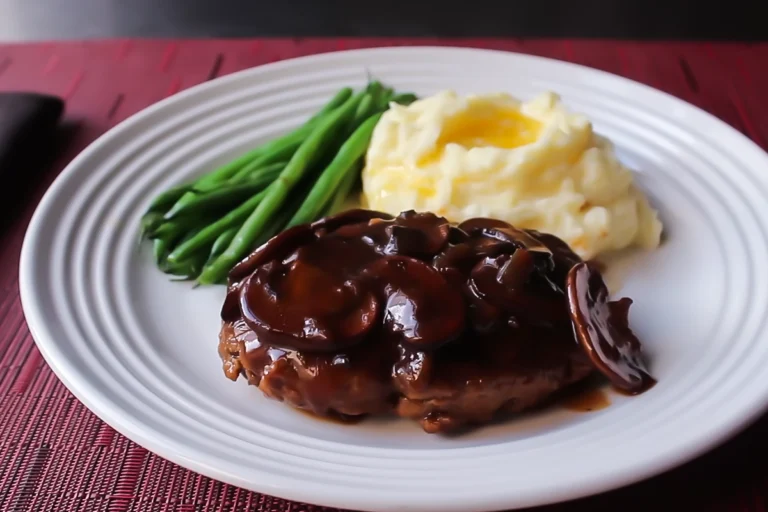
column 55, row 455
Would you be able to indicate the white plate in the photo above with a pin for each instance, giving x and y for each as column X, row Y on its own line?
column 140, row 351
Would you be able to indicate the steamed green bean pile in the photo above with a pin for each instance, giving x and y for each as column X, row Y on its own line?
column 200, row 230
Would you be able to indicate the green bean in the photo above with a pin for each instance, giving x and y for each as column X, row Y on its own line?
column 338, row 100
column 280, row 220
column 307, row 154
column 273, row 151
column 149, row 222
column 161, row 250
column 273, row 228
column 220, row 199
column 375, row 90
column 384, row 98
column 405, row 98
column 163, row 246
column 187, row 269
column 364, row 110
column 166, row 230
column 225, row 171
column 209, row 233
column 180, row 195
column 269, row 169
column 225, row 196
column 269, row 231
column 252, row 172
column 342, row 192
column 278, row 144
column 174, row 229
column 166, row 199
column 282, row 149
column 221, row 243
column 344, row 162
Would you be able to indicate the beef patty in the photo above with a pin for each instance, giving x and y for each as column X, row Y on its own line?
column 363, row 313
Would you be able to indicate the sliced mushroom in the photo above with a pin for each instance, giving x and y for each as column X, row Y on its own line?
column 302, row 307
column 419, row 235
column 564, row 258
column 456, row 235
column 414, row 369
column 483, row 316
column 277, row 247
column 421, row 305
column 521, row 238
column 503, row 281
column 456, row 262
column 562, row 253
column 478, row 224
column 463, row 256
column 541, row 253
column 602, row 329
column 230, row 309
column 356, row 216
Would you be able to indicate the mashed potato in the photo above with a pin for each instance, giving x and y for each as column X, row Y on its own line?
column 535, row 165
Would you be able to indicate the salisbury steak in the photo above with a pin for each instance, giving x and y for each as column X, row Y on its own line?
column 363, row 313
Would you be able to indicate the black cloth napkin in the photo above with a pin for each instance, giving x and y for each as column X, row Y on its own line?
column 28, row 125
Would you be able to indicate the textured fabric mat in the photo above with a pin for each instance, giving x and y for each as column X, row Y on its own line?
column 55, row 455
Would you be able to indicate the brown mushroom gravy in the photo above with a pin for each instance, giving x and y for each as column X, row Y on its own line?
column 448, row 324
column 602, row 328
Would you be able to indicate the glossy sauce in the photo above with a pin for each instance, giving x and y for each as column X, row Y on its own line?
column 410, row 285
column 586, row 400
column 355, row 311
column 602, row 328
column 336, row 419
